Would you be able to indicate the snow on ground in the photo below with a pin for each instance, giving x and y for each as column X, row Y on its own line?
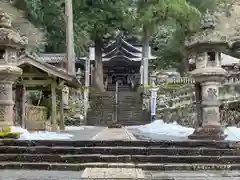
column 77, row 128
column 158, row 127
column 46, row 135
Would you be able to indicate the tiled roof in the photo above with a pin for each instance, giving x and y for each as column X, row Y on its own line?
column 55, row 57
column 52, row 58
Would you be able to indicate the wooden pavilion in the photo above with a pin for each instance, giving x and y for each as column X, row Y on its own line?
column 39, row 75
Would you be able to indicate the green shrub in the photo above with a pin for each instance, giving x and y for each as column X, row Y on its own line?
column 9, row 135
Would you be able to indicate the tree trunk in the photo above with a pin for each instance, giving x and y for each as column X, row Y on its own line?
column 185, row 64
column 145, row 55
column 98, row 70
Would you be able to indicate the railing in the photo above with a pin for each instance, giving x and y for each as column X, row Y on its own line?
column 188, row 80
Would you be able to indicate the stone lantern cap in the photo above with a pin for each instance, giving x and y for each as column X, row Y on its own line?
column 209, row 38
column 209, row 74
column 9, row 37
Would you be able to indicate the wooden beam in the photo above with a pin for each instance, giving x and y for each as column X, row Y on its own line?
column 38, row 75
column 23, row 106
column 54, row 109
column 38, row 82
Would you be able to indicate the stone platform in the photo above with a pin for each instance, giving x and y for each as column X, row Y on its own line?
column 112, row 173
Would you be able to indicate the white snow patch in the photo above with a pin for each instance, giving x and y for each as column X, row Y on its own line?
column 233, row 133
column 161, row 128
column 74, row 128
column 77, row 128
column 158, row 127
column 40, row 135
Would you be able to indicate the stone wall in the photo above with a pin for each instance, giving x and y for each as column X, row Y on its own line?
column 176, row 101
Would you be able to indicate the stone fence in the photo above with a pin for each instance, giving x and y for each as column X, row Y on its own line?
column 36, row 118
column 188, row 80
column 178, row 103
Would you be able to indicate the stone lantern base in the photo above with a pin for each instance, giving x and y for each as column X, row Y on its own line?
column 8, row 74
column 208, row 133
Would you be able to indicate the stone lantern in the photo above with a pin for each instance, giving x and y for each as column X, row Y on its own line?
column 207, row 45
column 10, row 44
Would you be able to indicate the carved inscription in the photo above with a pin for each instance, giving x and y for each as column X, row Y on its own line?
column 212, row 94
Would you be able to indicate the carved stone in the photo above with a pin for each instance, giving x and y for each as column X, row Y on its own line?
column 10, row 42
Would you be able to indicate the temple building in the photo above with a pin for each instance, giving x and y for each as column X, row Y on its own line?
column 122, row 62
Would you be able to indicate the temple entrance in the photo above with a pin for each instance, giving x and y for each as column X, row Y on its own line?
column 125, row 76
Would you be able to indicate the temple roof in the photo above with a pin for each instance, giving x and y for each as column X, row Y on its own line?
column 120, row 42
column 226, row 29
column 120, row 49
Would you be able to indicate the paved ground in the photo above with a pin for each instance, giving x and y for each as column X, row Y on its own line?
column 114, row 134
column 73, row 175
column 198, row 175
column 85, row 134
column 39, row 175
column 154, row 137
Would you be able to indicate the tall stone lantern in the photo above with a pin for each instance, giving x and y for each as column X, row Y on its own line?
column 10, row 44
column 207, row 46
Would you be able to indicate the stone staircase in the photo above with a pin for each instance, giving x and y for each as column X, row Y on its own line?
column 129, row 109
column 78, row 155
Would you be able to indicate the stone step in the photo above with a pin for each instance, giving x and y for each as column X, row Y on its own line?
column 144, row 166
column 83, row 158
column 119, row 151
column 138, row 143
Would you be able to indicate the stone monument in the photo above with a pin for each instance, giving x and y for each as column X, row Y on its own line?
column 207, row 45
column 10, row 44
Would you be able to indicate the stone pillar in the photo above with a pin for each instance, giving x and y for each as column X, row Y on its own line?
column 207, row 44
column 87, row 82
column 8, row 74
column 210, row 75
column 11, row 42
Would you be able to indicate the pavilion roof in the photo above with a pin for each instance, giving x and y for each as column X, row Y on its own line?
column 22, row 25
column 49, row 69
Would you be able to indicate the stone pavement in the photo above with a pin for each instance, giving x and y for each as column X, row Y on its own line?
column 113, row 173
column 154, row 137
column 87, row 133
column 114, row 134
column 191, row 175
column 39, row 175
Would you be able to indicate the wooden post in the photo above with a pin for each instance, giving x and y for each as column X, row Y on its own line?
column 62, row 117
column 23, row 106
column 70, row 37
column 54, row 109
